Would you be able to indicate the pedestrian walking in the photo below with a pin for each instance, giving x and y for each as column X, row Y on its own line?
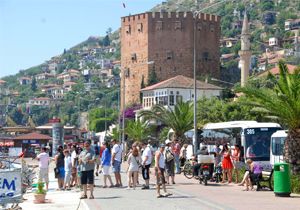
column 97, row 156
column 105, row 163
column 236, row 154
column 183, row 155
column 44, row 161
column 74, row 160
column 87, row 163
column 159, row 172
column 60, row 167
column 116, row 160
column 134, row 161
column 176, row 151
column 169, row 158
column 226, row 164
column 68, row 170
column 146, row 163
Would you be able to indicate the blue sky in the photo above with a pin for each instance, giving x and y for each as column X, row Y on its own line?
column 32, row 31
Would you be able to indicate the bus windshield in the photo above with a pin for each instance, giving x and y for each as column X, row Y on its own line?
column 257, row 143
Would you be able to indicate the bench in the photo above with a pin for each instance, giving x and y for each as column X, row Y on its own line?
column 266, row 177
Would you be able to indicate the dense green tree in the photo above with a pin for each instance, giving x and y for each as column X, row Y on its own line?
column 33, row 84
column 137, row 130
column 106, row 41
column 152, row 79
column 282, row 102
column 180, row 119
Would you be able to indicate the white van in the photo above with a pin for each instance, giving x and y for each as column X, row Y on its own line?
column 277, row 144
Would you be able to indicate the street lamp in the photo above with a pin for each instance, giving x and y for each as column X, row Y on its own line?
column 195, row 143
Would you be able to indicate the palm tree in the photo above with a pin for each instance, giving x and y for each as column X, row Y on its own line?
column 137, row 130
column 282, row 102
column 180, row 119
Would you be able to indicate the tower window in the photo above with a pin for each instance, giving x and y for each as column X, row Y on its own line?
column 212, row 28
column 177, row 25
column 127, row 72
column 159, row 25
column 169, row 55
column 127, row 29
column 133, row 56
column 140, row 27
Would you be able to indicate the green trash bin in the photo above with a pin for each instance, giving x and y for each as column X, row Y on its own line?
column 282, row 181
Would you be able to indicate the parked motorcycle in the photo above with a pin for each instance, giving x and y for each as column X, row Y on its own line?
column 204, row 173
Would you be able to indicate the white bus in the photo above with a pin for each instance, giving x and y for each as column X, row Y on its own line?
column 277, row 143
column 253, row 137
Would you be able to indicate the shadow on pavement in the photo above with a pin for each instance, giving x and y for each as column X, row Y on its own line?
column 180, row 196
column 111, row 197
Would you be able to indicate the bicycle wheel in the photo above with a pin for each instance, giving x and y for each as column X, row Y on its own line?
column 188, row 171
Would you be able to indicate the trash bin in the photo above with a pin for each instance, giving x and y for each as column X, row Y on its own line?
column 282, row 181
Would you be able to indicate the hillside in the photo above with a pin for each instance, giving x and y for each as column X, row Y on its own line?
column 81, row 79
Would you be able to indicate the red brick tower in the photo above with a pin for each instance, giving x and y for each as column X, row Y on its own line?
column 164, row 43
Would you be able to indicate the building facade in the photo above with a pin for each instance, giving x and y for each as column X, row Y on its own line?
column 177, row 89
column 164, row 43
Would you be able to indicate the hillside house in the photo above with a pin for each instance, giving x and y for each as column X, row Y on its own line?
column 292, row 24
column 25, row 81
column 68, row 86
column 43, row 76
column 70, row 75
column 275, row 70
column 42, row 101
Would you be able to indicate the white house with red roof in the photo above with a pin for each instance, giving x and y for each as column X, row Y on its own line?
column 42, row 101
column 25, row 80
column 175, row 89
column 275, row 70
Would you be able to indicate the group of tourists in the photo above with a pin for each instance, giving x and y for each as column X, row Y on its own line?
column 77, row 167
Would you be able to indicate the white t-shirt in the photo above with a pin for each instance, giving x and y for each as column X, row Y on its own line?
column 68, row 163
column 133, row 162
column 147, row 152
column 43, row 160
column 117, row 149
column 73, row 156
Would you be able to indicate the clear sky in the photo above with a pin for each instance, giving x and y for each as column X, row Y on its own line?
column 32, row 31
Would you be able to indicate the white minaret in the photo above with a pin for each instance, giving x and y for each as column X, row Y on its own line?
column 245, row 53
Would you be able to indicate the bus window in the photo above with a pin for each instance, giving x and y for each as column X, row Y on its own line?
column 277, row 145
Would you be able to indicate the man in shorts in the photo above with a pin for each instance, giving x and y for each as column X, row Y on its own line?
column 87, row 164
column 44, row 160
column 146, row 163
column 159, row 172
column 116, row 160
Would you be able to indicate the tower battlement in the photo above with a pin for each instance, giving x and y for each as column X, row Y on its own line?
column 170, row 15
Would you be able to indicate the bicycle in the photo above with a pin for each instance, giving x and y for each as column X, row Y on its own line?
column 187, row 169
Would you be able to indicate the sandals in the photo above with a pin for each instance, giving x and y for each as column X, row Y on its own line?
column 91, row 197
column 83, row 197
column 160, row 196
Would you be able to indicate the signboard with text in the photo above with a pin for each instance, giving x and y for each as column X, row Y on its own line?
column 10, row 186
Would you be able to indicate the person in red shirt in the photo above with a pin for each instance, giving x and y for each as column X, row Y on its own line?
column 176, row 151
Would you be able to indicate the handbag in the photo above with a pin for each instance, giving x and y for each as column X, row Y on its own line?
column 169, row 156
column 56, row 172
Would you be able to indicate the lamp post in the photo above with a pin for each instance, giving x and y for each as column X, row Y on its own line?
column 195, row 141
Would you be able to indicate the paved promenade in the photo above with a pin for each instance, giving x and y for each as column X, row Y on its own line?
column 66, row 200
column 188, row 195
